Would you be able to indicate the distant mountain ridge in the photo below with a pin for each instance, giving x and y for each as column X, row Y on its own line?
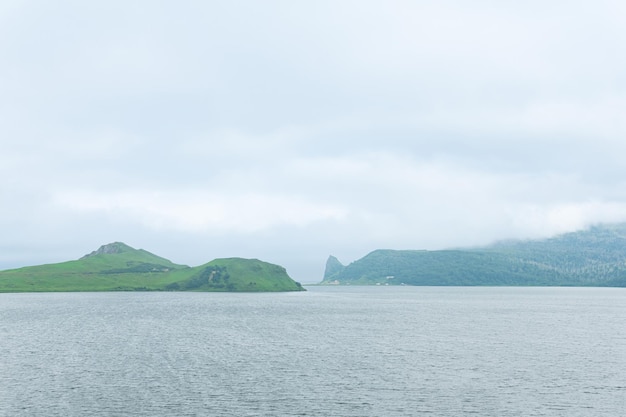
column 119, row 267
column 592, row 257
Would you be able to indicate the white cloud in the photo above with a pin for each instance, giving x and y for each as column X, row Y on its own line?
column 196, row 211
column 399, row 124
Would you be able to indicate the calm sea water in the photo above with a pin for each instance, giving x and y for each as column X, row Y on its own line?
column 332, row 351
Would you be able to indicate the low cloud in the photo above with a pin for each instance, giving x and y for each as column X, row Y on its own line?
column 199, row 212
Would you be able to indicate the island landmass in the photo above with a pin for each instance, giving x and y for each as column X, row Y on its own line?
column 119, row 267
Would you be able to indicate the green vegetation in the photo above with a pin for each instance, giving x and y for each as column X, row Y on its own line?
column 594, row 257
column 118, row 267
column 233, row 274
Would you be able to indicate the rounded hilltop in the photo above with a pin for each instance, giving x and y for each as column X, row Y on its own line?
column 110, row 248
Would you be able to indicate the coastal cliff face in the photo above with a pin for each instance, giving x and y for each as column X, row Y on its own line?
column 593, row 257
column 119, row 267
column 333, row 268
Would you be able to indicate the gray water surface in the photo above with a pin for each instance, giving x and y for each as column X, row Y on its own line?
column 332, row 351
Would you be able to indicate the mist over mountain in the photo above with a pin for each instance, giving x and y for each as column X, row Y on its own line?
column 592, row 257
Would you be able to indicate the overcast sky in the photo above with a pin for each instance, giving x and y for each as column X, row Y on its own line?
column 291, row 130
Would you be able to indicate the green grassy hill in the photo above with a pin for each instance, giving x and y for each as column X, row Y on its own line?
column 233, row 274
column 119, row 267
column 593, row 257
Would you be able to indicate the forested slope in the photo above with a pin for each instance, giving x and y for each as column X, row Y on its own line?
column 593, row 257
